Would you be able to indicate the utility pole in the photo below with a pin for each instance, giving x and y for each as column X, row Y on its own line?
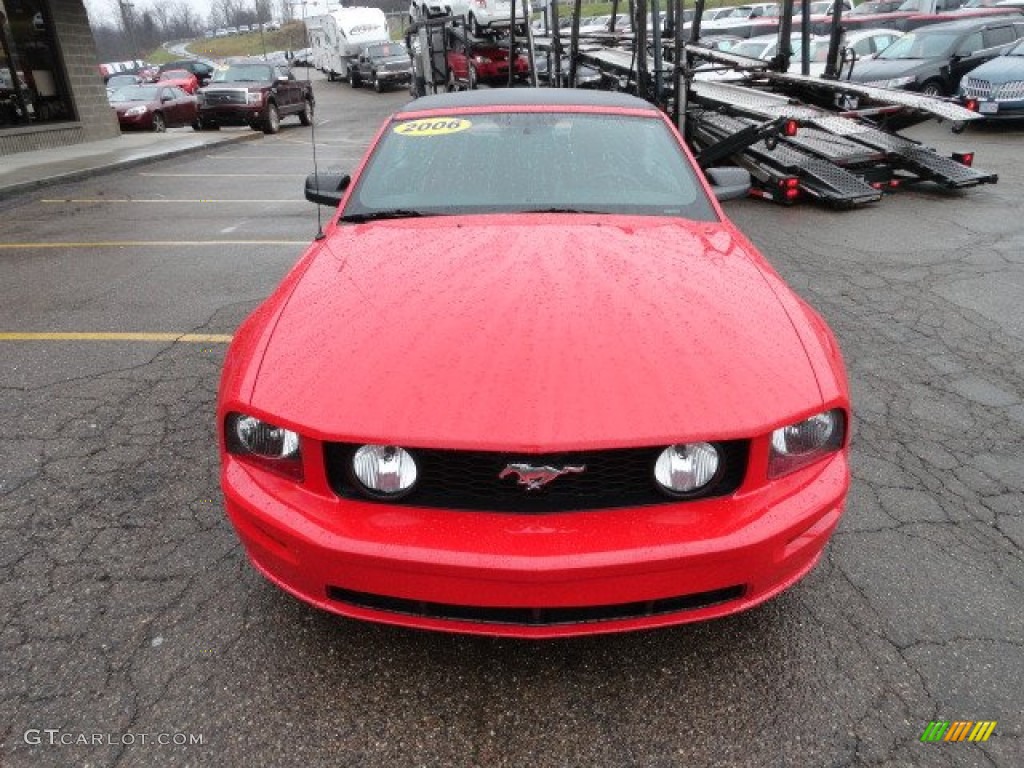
column 260, row 7
column 126, row 19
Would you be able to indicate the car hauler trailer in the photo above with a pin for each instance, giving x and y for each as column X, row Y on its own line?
column 799, row 137
column 842, row 154
column 337, row 37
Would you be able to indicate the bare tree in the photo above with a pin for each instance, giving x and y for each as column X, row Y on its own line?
column 161, row 15
column 264, row 11
column 185, row 22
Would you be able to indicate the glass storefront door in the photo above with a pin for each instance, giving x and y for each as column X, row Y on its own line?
column 33, row 85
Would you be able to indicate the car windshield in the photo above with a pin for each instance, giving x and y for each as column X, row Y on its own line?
column 175, row 74
column 921, row 46
column 249, row 73
column 135, row 93
column 528, row 162
column 119, row 80
column 387, row 50
column 752, row 48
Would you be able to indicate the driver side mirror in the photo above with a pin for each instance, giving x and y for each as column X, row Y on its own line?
column 327, row 188
column 728, row 182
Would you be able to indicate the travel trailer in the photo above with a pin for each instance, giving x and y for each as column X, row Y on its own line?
column 337, row 37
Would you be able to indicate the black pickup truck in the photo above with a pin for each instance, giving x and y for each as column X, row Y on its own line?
column 258, row 94
column 382, row 65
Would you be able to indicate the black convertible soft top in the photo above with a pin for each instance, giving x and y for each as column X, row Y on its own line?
column 520, row 97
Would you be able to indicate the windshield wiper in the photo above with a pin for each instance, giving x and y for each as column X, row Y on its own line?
column 560, row 210
column 391, row 213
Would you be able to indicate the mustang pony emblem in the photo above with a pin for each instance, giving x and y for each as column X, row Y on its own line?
column 535, row 478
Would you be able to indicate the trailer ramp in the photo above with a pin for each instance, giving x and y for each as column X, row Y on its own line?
column 816, row 177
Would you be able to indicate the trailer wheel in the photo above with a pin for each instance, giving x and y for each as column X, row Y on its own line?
column 932, row 88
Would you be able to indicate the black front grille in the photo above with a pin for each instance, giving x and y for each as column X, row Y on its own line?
column 469, row 479
column 225, row 97
column 536, row 617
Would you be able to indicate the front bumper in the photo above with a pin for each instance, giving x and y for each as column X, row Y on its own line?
column 535, row 576
column 394, row 78
column 143, row 122
column 237, row 115
column 992, row 109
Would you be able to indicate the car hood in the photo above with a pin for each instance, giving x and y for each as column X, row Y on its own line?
column 506, row 333
column 1001, row 69
column 889, row 69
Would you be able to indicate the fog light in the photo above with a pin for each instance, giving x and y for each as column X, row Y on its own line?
column 384, row 470
column 686, row 467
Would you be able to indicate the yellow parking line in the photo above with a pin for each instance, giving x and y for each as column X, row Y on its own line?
column 193, row 338
column 145, row 243
column 158, row 200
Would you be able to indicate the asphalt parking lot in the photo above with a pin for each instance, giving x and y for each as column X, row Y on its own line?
column 136, row 634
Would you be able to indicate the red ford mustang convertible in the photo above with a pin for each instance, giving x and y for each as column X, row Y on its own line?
column 532, row 382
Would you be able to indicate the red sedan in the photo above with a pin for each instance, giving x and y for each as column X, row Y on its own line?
column 472, row 61
column 182, row 78
column 153, row 107
column 550, row 392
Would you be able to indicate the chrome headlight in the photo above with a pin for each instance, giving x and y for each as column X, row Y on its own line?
column 270, row 446
column 900, row 82
column 136, row 111
column 254, row 98
column 384, row 470
column 684, row 468
column 797, row 445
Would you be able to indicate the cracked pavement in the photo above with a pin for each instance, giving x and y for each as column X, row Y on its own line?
column 129, row 607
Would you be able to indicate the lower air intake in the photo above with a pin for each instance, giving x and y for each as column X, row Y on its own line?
column 536, row 617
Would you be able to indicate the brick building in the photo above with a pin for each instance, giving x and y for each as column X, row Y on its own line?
column 51, row 92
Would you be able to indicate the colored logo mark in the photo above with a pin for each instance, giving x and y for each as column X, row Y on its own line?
column 958, row 730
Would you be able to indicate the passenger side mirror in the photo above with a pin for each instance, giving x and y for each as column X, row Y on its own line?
column 728, row 182
column 327, row 188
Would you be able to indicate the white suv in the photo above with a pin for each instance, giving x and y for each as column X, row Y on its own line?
column 480, row 14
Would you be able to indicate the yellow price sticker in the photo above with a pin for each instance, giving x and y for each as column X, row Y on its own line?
column 438, row 126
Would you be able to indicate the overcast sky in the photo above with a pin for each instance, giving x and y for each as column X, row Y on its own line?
column 107, row 10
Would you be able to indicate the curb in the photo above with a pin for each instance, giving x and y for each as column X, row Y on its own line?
column 19, row 188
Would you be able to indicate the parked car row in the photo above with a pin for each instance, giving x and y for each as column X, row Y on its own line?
column 241, row 29
column 250, row 92
column 933, row 60
column 978, row 60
